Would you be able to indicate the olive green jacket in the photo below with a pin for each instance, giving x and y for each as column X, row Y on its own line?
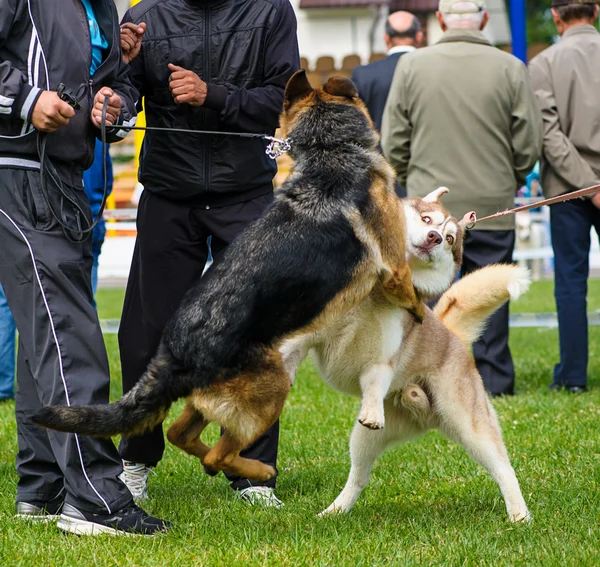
column 566, row 81
column 462, row 113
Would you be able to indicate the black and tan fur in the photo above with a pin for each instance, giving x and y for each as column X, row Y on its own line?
column 335, row 230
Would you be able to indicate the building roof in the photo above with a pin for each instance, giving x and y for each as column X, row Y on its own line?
column 414, row 5
column 341, row 3
column 408, row 5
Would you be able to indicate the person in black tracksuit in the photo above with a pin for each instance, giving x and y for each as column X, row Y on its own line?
column 45, row 257
column 218, row 65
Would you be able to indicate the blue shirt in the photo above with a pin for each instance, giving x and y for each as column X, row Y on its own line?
column 99, row 42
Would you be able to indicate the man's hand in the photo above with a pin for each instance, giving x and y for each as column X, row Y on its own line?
column 112, row 111
column 50, row 112
column 186, row 86
column 596, row 200
column 131, row 40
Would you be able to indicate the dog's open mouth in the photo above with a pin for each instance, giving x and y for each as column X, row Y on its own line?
column 423, row 252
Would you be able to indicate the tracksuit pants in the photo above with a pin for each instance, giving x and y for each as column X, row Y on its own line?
column 169, row 257
column 61, row 357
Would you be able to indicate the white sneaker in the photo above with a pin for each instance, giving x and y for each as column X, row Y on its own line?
column 135, row 478
column 260, row 496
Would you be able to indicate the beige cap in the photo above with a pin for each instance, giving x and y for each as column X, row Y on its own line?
column 447, row 6
column 557, row 3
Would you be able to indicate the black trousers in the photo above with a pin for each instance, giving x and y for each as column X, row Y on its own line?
column 169, row 257
column 62, row 359
column 491, row 351
column 570, row 226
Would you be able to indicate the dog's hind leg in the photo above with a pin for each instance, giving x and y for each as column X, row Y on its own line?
column 245, row 406
column 374, row 383
column 478, row 431
column 185, row 433
column 225, row 456
column 365, row 446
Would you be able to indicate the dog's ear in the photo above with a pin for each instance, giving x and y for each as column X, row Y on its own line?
column 340, row 86
column 297, row 88
column 469, row 220
column 434, row 196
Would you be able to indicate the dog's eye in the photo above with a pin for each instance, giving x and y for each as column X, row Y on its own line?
column 450, row 239
column 426, row 220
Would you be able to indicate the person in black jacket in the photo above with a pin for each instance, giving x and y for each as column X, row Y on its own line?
column 45, row 258
column 373, row 81
column 217, row 65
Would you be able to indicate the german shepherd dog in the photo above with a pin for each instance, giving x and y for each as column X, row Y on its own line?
column 412, row 378
column 335, row 229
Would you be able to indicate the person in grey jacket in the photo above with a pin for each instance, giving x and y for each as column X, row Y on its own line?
column 45, row 258
column 566, row 81
column 462, row 113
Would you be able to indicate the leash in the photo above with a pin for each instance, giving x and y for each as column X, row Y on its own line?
column 551, row 201
column 275, row 148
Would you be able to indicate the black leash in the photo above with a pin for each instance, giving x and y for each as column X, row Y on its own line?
column 47, row 169
column 275, row 148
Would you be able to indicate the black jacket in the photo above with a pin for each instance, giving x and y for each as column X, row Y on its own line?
column 245, row 50
column 44, row 43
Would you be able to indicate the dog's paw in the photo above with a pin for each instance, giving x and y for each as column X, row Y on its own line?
column 332, row 510
column 371, row 420
column 520, row 517
column 209, row 471
column 418, row 313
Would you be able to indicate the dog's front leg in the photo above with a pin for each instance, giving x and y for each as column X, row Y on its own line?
column 399, row 290
column 374, row 383
column 365, row 446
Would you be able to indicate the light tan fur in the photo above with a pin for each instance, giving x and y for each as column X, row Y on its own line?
column 415, row 377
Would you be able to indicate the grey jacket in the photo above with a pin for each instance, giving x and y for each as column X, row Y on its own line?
column 462, row 113
column 566, row 81
column 44, row 43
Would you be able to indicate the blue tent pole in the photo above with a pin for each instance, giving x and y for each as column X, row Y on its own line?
column 518, row 28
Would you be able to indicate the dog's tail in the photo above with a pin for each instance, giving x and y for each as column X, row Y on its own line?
column 141, row 409
column 467, row 305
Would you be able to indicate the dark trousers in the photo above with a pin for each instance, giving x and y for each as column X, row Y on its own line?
column 169, row 257
column 62, row 359
column 491, row 351
column 570, row 226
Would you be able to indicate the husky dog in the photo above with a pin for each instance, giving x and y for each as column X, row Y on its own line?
column 416, row 377
column 335, row 230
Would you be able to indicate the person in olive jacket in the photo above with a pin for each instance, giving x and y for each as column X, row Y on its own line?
column 222, row 66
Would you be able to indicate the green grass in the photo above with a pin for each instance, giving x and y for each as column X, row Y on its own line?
column 427, row 502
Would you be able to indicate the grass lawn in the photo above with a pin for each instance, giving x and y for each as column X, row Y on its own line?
column 427, row 502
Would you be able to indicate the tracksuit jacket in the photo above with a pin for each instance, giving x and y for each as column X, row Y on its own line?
column 37, row 55
column 245, row 50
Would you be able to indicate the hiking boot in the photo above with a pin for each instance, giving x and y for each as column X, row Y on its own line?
column 130, row 520
column 260, row 496
column 135, row 478
column 40, row 511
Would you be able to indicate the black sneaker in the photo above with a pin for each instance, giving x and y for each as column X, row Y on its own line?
column 130, row 520
column 39, row 511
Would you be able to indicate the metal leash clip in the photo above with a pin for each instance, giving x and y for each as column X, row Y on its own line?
column 278, row 146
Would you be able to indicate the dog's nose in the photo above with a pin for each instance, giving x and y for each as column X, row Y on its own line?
column 434, row 238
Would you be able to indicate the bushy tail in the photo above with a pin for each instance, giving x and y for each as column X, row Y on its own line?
column 141, row 409
column 464, row 309
column 467, row 305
